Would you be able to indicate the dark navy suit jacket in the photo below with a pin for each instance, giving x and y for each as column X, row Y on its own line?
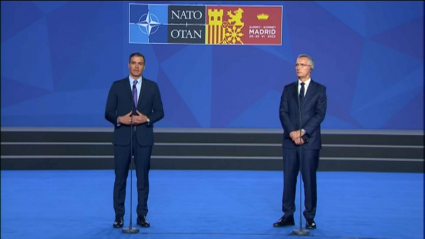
column 119, row 103
column 313, row 110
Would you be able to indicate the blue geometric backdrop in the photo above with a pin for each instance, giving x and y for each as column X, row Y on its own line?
column 58, row 60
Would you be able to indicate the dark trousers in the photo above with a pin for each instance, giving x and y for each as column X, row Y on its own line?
column 291, row 167
column 122, row 155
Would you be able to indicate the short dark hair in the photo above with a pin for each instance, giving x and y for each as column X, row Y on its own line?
column 137, row 54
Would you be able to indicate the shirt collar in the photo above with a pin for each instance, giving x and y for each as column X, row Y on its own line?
column 131, row 79
column 307, row 82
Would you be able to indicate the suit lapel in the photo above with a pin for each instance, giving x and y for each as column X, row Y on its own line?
column 295, row 94
column 142, row 91
column 310, row 91
column 127, row 88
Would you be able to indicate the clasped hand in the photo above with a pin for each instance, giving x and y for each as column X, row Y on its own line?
column 135, row 119
column 296, row 137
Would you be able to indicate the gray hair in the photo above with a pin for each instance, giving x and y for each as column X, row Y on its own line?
column 310, row 59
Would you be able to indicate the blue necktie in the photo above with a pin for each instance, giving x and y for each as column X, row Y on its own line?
column 135, row 92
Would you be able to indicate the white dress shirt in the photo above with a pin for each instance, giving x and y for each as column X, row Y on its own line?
column 306, row 84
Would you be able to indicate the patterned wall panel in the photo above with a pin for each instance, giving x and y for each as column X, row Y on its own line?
column 58, row 60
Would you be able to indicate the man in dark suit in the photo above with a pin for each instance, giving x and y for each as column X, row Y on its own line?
column 134, row 104
column 305, row 99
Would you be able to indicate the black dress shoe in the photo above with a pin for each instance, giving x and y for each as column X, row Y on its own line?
column 143, row 222
column 284, row 221
column 119, row 222
column 310, row 224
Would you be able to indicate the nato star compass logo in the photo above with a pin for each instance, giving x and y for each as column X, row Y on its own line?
column 148, row 23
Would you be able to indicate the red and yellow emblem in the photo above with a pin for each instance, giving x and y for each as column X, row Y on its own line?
column 251, row 25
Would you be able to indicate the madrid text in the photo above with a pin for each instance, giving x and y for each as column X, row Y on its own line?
column 257, row 33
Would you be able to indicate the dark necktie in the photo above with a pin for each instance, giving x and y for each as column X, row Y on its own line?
column 135, row 92
column 302, row 91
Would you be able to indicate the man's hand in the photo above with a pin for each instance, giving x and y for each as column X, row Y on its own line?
column 299, row 141
column 139, row 118
column 296, row 137
column 296, row 134
column 125, row 119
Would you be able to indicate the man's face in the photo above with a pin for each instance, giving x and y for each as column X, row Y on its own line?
column 136, row 66
column 303, row 68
